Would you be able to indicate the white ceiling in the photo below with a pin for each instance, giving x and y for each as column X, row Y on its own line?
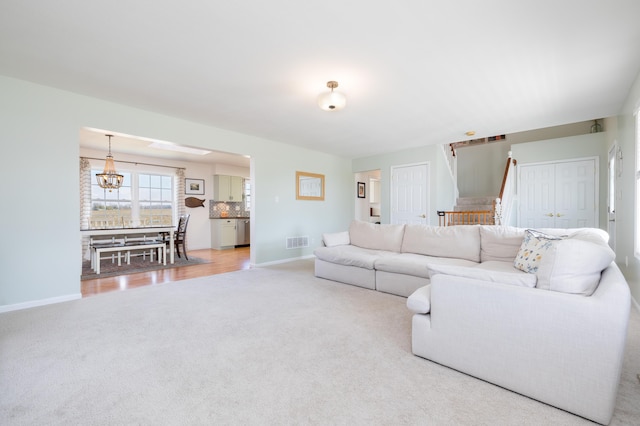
column 415, row 72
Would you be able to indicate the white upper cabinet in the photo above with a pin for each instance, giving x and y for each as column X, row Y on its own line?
column 227, row 188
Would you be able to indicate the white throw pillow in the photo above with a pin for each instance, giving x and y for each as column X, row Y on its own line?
column 570, row 264
column 336, row 239
column 494, row 271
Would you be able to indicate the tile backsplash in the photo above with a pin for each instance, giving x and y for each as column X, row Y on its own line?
column 233, row 209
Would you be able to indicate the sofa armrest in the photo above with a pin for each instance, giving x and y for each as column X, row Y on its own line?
column 419, row 302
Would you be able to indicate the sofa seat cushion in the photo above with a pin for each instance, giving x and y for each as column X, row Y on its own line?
column 373, row 236
column 350, row 255
column 493, row 271
column 461, row 242
column 415, row 264
column 571, row 264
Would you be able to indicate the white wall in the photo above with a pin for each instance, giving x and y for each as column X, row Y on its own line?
column 228, row 169
column 40, row 174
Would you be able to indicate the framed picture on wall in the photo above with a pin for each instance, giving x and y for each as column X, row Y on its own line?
column 361, row 190
column 194, row 186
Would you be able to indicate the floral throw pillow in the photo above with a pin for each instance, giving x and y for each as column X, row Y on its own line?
column 534, row 246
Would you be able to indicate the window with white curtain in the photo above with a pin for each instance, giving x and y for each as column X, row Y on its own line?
column 144, row 199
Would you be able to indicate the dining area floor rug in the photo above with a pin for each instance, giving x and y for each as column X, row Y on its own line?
column 109, row 268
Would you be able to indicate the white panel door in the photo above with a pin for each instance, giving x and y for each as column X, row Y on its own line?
column 537, row 194
column 575, row 194
column 558, row 195
column 409, row 194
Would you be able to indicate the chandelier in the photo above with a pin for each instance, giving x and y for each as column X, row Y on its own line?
column 109, row 178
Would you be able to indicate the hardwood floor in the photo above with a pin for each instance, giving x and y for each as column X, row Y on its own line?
column 219, row 261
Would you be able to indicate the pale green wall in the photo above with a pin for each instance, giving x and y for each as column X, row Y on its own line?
column 625, row 207
column 40, row 147
column 481, row 169
column 441, row 189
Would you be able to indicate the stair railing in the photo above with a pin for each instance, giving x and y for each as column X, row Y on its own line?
column 471, row 217
column 504, row 202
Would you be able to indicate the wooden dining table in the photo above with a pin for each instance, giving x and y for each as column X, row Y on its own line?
column 138, row 231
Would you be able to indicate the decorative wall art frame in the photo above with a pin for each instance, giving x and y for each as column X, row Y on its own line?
column 194, row 186
column 309, row 186
column 362, row 190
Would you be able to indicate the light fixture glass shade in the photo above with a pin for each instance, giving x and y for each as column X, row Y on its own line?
column 332, row 101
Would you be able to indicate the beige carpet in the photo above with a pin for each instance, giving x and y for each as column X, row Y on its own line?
column 264, row 346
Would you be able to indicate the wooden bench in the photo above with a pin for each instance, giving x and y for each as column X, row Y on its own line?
column 97, row 250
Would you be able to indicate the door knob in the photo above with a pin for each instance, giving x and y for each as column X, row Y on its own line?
column 424, row 216
column 559, row 215
column 549, row 214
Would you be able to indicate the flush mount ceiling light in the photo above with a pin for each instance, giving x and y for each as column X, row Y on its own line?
column 470, row 133
column 332, row 101
column 109, row 178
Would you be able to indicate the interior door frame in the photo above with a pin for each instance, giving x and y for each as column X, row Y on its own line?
column 612, row 176
column 596, row 179
column 427, row 194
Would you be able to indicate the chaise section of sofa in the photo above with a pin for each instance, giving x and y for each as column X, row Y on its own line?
column 558, row 337
column 562, row 349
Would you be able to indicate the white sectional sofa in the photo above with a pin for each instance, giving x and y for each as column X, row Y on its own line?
column 542, row 314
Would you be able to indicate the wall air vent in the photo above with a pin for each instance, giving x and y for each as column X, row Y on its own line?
column 297, row 242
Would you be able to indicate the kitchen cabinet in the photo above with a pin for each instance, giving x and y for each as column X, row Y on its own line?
column 227, row 188
column 223, row 233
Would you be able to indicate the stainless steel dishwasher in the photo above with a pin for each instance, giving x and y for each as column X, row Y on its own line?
column 243, row 232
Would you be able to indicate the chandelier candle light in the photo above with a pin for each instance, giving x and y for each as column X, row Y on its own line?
column 109, row 178
column 332, row 101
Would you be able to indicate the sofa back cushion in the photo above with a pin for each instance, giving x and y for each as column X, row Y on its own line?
column 569, row 264
column 500, row 243
column 375, row 236
column 461, row 241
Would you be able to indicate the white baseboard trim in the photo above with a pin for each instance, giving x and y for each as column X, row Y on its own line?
column 41, row 302
column 278, row 262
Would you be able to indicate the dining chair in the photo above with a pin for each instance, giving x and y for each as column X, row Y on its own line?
column 179, row 235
